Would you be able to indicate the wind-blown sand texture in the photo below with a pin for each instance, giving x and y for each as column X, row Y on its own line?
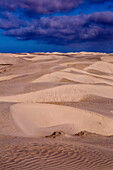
column 56, row 111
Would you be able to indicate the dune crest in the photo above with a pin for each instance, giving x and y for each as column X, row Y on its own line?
column 31, row 118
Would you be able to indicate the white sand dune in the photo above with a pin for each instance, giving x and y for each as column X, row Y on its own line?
column 84, row 72
column 37, row 57
column 43, row 57
column 101, row 66
column 59, row 76
column 62, row 93
column 9, row 59
column 72, row 63
column 2, row 78
column 34, row 118
column 107, row 58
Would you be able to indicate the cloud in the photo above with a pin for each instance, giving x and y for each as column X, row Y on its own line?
column 105, row 18
column 40, row 6
column 10, row 21
column 99, row 1
column 97, row 26
column 65, row 29
column 44, row 7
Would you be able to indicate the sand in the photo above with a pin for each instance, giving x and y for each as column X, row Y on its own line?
column 56, row 111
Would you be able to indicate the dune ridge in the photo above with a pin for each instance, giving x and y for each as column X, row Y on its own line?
column 33, row 118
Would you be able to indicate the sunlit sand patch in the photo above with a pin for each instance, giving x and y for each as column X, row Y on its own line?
column 9, row 77
column 34, row 118
column 101, row 66
column 80, row 78
column 62, row 93
column 107, row 58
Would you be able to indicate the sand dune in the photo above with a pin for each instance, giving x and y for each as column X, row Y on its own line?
column 101, row 66
column 62, row 93
column 9, row 59
column 84, row 72
column 44, row 93
column 34, row 118
column 59, row 76
column 2, row 78
column 107, row 58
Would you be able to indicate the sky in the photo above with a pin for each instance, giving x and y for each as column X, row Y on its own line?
column 56, row 25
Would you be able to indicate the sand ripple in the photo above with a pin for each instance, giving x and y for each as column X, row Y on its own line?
column 59, row 156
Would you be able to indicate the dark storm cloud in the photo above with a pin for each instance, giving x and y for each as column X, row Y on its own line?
column 105, row 18
column 67, row 29
column 10, row 21
column 40, row 6
column 45, row 6
column 54, row 29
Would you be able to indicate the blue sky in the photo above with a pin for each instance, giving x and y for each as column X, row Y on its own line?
column 56, row 25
